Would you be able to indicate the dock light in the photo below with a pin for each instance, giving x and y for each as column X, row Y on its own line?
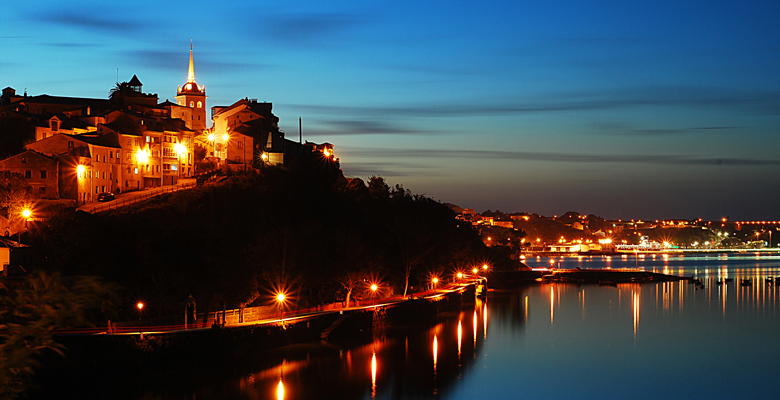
column 80, row 169
column 374, row 287
column 225, row 137
column 474, row 270
column 140, row 306
column 26, row 213
column 281, row 297
column 459, row 275
column 211, row 137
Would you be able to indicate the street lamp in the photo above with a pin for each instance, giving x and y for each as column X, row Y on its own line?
column 459, row 275
column 485, row 267
column 474, row 270
column 374, row 287
column 140, row 307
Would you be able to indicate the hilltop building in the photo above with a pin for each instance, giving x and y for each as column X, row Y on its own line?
column 77, row 148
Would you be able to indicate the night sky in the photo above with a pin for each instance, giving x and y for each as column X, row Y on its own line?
column 624, row 109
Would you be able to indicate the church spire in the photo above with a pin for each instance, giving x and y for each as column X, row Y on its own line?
column 191, row 70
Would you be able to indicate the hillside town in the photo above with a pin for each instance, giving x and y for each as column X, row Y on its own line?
column 73, row 151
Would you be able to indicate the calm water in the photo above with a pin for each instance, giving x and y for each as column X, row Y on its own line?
column 668, row 340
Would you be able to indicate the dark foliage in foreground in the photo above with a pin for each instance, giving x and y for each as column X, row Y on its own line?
column 304, row 227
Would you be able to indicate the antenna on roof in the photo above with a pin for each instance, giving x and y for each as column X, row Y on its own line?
column 117, row 74
column 300, row 131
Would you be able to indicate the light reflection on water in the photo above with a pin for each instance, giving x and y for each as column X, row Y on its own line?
column 647, row 341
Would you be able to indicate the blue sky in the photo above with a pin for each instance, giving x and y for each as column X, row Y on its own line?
column 620, row 108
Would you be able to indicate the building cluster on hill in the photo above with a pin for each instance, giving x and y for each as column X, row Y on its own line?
column 73, row 148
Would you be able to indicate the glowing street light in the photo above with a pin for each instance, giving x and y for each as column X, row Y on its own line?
column 140, row 306
column 142, row 156
column 26, row 214
column 264, row 157
column 474, row 270
column 281, row 297
column 485, row 267
column 80, row 169
column 374, row 287
column 459, row 275
column 225, row 137
column 180, row 149
column 211, row 137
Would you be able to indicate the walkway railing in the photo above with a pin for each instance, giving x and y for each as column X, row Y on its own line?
column 269, row 314
column 131, row 198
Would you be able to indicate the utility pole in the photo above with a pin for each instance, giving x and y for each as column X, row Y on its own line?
column 300, row 131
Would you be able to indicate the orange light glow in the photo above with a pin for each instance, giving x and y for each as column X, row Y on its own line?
column 26, row 213
column 435, row 280
column 225, row 137
column 485, row 267
column 435, row 351
column 180, row 149
column 80, row 169
column 142, row 156
column 281, row 297
column 373, row 375
column 211, row 137
column 460, row 335
column 280, row 390
column 374, row 287
column 140, row 305
column 459, row 275
column 474, row 270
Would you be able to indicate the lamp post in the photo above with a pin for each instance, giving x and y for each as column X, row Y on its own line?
column 26, row 214
column 280, row 298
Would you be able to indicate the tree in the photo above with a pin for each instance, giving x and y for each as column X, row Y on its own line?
column 32, row 310
column 349, row 282
column 120, row 91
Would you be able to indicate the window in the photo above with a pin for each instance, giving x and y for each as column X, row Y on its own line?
column 28, row 174
column 148, row 139
column 135, row 170
column 192, row 104
column 43, row 174
column 200, row 105
column 42, row 189
column 24, row 160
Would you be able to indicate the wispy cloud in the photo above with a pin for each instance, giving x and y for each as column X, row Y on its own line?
column 610, row 128
column 745, row 100
column 306, row 28
column 662, row 159
column 363, row 127
column 385, row 169
column 177, row 61
column 93, row 21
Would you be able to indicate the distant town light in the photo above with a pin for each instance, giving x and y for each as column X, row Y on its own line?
column 140, row 305
column 435, row 280
column 485, row 267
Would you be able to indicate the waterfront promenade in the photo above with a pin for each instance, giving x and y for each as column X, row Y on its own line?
column 271, row 315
